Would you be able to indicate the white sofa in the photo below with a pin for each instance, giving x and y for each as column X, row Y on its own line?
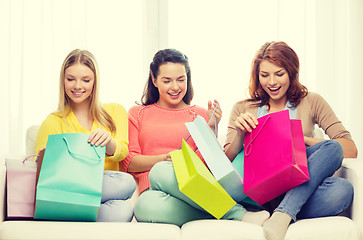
column 331, row 228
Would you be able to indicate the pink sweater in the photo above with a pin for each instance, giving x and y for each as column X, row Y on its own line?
column 154, row 130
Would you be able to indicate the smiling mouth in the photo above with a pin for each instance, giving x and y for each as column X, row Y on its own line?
column 274, row 89
column 174, row 94
column 77, row 93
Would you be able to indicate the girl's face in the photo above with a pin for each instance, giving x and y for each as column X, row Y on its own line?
column 172, row 85
column 275, row 81
column 78, row 83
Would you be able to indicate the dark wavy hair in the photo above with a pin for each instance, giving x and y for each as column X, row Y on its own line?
column 279, row 54
column 151, row 93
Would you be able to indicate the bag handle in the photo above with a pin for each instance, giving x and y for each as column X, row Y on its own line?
column 75, row 155
column 249, row 145
column 215, row 120
column 30, row 156
column 215, row 126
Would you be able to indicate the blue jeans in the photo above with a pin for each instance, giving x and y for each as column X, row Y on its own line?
column 164, row 203
column 322, row 195
column 117, row 187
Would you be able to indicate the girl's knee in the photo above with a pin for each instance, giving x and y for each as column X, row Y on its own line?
column 129, row 180
column 161, row 174
column 346, row 190
column 117, row 185
column 341, row 193
column 335, row 152
column 115, row 211
column 147, row 205
column 160, row 168
column 335, row 148
column 116, row 176
column 158, row 207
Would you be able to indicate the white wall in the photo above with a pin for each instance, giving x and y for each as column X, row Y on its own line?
column 220, row 38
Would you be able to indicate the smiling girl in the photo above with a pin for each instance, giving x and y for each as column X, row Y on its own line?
column 79, row 111
column 274, row 86
column 156, row 128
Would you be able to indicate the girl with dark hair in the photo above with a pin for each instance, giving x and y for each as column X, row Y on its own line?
column 155, row 129
column 274, row 86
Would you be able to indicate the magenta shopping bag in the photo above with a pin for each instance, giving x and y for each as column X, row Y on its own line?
column 20, row 180
column 274, row 157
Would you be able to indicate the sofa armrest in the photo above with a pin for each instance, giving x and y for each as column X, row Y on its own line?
column 352, row 170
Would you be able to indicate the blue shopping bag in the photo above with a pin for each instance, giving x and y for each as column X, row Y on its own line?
column 217, row 161
column 70, row 179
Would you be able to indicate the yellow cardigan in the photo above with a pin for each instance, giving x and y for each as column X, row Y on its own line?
column 54, row 124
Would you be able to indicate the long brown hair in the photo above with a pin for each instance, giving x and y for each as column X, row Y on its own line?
column 64, row 105
column 279, row 54
column 151, row 93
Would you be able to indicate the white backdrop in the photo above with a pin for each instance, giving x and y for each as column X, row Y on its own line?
column 220, row 38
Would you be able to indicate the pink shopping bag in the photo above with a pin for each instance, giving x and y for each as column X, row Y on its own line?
column 20, row 178
column 275, row 157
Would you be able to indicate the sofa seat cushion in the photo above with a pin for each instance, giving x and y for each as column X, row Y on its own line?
column 332, row 228
column 87, row 230
column 221, row 229
column 329, row 228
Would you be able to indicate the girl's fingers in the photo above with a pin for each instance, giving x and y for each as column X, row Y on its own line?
column 168, row 157
column 252, row 117
column 92, row 135
column 100, row 140
column 107, row 140
column 245, row 127
column 246, row 122
column 218, row 110
column 210, row 105
column 239, row 126
column 99, row 137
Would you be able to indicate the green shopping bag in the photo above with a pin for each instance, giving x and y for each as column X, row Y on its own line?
column 238, row 163
column 70, row 179
column 197, row 183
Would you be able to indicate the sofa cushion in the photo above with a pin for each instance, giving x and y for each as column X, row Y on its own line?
column 329, row 228
column 332, row 228
column 221, row 229
column 31, row 136
column 83, row 230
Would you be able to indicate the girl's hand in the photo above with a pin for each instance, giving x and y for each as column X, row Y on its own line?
column 217, row 113
column 167, row 157
column 100, row 137
column 245, row 122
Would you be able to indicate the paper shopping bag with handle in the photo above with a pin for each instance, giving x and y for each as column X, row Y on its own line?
column 217, row 161
column 238, row 164
column 20, row 184
column 70, row 179
column 274, row 157
column 197, row 183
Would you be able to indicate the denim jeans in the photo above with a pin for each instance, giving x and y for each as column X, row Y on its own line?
column 322, row 195
column 164, row 203
column 117, row 187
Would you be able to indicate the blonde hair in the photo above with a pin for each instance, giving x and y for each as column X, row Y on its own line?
column 98, row 113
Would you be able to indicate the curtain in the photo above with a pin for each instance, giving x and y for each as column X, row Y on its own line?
column 219, row 37
column 36, row 37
